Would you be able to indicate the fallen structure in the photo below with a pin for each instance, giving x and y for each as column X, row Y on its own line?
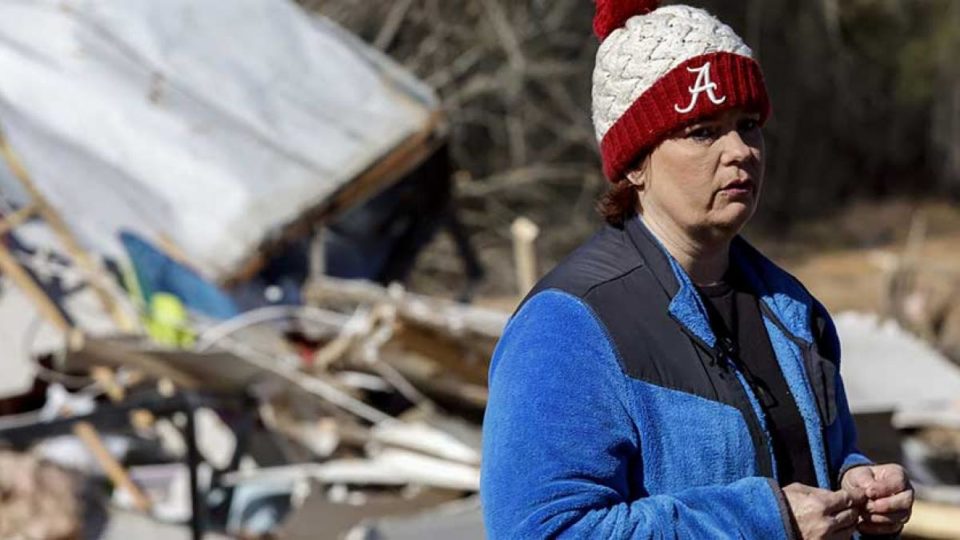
column 885, row 368
column 156, row 152
column 153, row 154
column 135, row 115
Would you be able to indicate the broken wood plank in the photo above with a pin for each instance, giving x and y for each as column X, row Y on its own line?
column 525, row 233
column 115, row 472
column 426, row 439
column 105, row 378
column 456, row 358
column 14, row 220
column 392, row 467
column 460, row 321
column 437, row 383
column 124, row 353
column 10, row 267
column 94, row 273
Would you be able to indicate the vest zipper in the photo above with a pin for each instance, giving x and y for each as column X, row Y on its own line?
column 723, row 361
column 806, row 357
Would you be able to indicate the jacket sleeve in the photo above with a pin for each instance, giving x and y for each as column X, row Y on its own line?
column 842, row 433
column 849, row 455
column 560, row 441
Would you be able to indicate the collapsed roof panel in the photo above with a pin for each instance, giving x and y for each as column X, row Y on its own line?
column 886, row 369
column 207, row 125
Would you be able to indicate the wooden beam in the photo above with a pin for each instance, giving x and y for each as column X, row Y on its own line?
column 14, row 220
column 105, row 378
column 10, row 266
column 114, row 470
column 453, row 356
column 83, row 260
column 116, row 353
column 460, row 322
column 525, row 233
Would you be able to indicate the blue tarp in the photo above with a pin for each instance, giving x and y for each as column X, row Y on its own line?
column 157, row 272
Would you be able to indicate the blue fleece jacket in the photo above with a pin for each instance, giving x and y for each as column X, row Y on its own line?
column 574, row 447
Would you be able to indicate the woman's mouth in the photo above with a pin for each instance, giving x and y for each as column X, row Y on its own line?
column 739, row 188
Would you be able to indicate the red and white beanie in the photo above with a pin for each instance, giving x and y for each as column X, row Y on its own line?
column 661, row 68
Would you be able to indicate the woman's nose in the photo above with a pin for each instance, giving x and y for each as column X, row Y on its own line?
column 735, row 148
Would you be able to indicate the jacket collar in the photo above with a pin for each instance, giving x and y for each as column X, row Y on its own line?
column 787, row 300
column 654, row 255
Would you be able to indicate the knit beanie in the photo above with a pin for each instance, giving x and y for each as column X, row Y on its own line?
column 659, row 69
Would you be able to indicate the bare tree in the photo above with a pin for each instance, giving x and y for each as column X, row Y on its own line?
column 514, row 78
column 862, row 106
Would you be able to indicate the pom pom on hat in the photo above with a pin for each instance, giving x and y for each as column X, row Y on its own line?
column 613, row 14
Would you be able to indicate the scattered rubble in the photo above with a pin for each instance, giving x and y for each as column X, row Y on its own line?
column 156, row 340
column 367, row 394
column 145, row 393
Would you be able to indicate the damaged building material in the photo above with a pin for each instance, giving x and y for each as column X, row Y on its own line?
column 164, row 354
column 167, row 343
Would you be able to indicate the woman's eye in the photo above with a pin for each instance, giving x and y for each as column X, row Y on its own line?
column 702, row 133
column 748, row 125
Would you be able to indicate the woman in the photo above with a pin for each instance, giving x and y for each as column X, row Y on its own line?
column 667, row 380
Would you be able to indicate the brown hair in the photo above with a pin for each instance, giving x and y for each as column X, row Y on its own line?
column 620, row 201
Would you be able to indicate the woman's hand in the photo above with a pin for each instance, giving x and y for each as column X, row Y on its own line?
column 889, row 496
column 820, row 514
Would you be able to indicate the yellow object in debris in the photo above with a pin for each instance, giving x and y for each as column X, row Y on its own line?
column 168, row 321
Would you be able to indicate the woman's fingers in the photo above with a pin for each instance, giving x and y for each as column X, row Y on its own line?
column 889, row 480
column 894, row 518
column 887, row 515
column 845, row 519
column 836, row 501
column 901, row 502
column 820, row 513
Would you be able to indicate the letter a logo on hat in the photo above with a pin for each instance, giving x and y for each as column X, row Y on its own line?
column 703, row 84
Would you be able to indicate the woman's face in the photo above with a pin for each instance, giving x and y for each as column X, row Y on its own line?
column 706, row 178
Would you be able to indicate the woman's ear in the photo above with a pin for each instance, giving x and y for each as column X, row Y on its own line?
column 638, row 176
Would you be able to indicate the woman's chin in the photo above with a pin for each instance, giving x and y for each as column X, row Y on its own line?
column 733, row 216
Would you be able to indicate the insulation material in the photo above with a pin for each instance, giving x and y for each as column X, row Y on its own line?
column 207, row 124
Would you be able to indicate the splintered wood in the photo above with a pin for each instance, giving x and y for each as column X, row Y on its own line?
column 106, row 291
column 442, row 348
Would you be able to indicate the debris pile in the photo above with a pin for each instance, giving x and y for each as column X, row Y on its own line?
column 176, row 348
column 367, row 398
column 200, row 330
